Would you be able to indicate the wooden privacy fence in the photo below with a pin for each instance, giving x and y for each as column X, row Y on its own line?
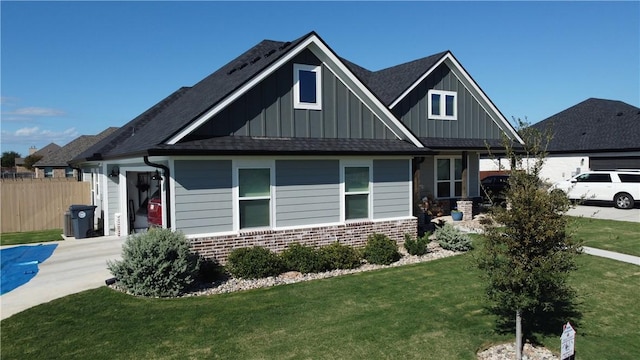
column 39, row 204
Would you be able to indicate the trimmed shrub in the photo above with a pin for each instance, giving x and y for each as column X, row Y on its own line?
column 338, row 256
column 305, row 259
column 417, row 246
column 380, row 249
column 157, row 263
column 253, row 263
column 451, row 238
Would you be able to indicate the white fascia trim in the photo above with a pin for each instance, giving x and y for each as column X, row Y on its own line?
column 330, row 59
column 242, row 90
column 417, row 82
column 323, row 53
column 457, row 68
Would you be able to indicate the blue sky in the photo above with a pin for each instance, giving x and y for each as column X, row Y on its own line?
column 76, row 68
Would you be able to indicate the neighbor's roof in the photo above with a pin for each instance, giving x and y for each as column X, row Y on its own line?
column 44, row 152
column 594, row 125
column 62, row 156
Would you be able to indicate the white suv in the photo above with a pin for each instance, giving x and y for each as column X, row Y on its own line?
column 620, row 186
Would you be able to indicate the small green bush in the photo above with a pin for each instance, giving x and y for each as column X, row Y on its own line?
column 381, row 250
column 253, row 263
column 305, row 259
column 340, row 256
column 417, row 246
column 451, row 238
column 158, row 263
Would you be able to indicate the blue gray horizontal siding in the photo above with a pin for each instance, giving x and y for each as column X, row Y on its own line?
column 267, row 110
column 473, row 121
column 391, row 189
column 307, row 192
column 203, row 196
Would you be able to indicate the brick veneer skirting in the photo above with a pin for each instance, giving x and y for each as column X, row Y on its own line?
column 353, row 234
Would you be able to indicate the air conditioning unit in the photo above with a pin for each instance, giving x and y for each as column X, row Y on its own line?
column 117, row 220
column 67, row 224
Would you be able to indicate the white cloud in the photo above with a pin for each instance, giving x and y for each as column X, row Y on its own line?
column 8, row 100
column 28, row 136
column 27, row 131
column 36, row 111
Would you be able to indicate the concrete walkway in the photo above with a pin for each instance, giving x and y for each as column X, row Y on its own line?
column 635, row 260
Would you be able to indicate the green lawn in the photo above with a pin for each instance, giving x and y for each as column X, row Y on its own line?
column 432, row 310
column 30, row 237
column 618, row 236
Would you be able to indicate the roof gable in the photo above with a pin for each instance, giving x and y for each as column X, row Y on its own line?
column 312, row 42
column 594, row 125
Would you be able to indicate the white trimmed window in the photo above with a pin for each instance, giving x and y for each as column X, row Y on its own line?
column 254, row 197
column 357, row 190
column 307, row 87
column 68, row 172
column 48, row 172
column 448, row 177
column 443, row 105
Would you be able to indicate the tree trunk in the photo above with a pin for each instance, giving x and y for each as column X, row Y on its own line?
column 518, row 335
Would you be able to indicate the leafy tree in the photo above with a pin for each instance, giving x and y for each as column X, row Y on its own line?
column 30, row 160
column 529, row 253
column 9, row 158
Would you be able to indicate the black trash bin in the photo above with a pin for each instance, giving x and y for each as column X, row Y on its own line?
column 82, row 218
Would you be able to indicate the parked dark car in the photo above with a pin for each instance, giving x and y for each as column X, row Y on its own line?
column 154, row 210
column 494, row 188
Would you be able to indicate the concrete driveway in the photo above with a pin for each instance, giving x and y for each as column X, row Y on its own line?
column 75, row 266
column 607, row 212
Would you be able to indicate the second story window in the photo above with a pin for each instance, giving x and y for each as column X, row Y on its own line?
column 443, row 105
column 307, row 87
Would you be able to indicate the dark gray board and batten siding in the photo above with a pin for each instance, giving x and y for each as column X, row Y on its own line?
column 473, row 122
column 267, row 111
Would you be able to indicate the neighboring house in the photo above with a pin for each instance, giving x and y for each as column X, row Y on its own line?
column 56, row 163
column 595, row 134
column 44, row 153
column 291, row 143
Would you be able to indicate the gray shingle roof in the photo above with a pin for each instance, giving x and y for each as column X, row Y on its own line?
column 388, row 84
column 63, row 155
column 246, row 145
column 44, row 152
column 165, row 119
column 172, row 115
column 594, row 125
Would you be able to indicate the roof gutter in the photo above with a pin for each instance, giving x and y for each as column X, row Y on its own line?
column 165, row 176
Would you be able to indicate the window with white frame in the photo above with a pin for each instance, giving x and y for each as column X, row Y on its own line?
column 307, row 87
column 443, row 105
column 254, row 197
column 356, row 191
column 68, row 172
column 48, row 172
column 448, row 177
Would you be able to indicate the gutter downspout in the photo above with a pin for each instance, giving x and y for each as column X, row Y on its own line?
column 166, row 176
